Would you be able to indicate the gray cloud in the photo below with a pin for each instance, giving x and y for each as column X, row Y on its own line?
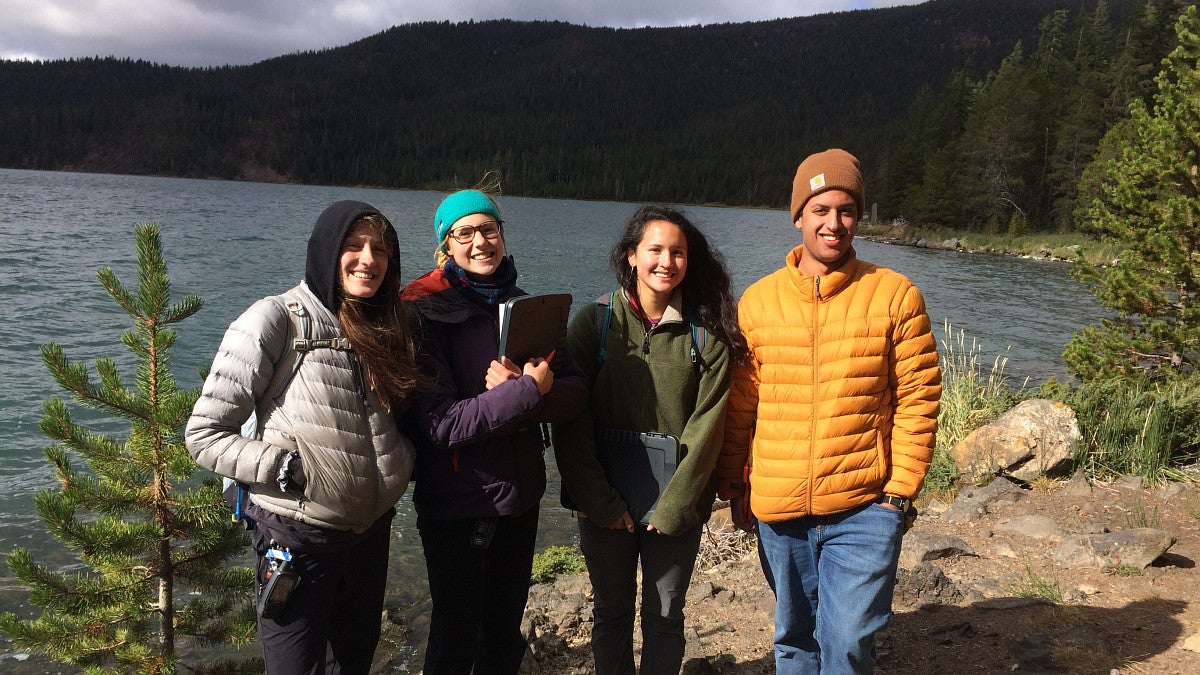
column 235, row 32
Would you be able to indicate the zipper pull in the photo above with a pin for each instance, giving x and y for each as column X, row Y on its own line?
column 646, row 343
column 817, row 283
column 359, row 381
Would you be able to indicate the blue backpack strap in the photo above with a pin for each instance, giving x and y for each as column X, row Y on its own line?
column 604, row 313
column 699, row 339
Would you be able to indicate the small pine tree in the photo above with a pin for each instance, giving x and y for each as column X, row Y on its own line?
column 136, row 517
column 1149, row 202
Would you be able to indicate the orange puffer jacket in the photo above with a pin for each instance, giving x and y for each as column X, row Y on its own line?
column 839, row 401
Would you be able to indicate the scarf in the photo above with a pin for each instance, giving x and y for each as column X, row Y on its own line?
column 490, row 292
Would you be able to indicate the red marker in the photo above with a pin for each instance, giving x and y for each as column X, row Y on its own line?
column 550, row 356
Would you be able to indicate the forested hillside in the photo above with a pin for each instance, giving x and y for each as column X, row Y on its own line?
column 962, row 110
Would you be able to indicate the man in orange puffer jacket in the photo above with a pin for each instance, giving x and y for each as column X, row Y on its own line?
column 835, row 414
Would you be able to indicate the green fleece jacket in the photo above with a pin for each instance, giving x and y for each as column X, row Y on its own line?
column 647, row 383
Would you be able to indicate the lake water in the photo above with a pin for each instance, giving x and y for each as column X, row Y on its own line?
column 232, row 243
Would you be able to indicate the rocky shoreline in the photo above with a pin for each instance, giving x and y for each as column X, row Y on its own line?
column 904, row 236
column 1061, row 578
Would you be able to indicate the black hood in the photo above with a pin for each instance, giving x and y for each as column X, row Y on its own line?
column 325, row 248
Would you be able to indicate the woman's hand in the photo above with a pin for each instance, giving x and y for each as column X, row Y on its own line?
column 625, row 522
column 501, row 371
column 539, row 370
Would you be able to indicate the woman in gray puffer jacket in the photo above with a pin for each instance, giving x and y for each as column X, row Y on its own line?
column 328, row 462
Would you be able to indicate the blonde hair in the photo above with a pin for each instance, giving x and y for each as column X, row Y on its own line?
column 442, row 253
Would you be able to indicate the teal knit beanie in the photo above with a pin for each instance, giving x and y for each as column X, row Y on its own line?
column 459, row 204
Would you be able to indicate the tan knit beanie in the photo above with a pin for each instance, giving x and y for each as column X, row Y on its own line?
column 834, row 169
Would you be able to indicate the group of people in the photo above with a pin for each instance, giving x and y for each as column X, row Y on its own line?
column 810, row 404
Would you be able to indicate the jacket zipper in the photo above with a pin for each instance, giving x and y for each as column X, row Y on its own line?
column 361, row 386
column 812, row 436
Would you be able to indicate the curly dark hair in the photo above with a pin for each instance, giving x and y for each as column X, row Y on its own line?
column 707, row 300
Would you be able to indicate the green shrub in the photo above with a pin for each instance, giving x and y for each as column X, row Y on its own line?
column 1035, row 586
column 1141, row 428
column 557, row 560
column 1139, row 516
column 970, row 399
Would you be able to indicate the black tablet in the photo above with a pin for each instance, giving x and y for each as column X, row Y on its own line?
column 639, row 465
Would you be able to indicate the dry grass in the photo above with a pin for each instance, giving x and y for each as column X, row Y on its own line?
column 722, row 542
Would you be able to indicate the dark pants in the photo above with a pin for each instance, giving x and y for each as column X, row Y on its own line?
column 331, row 623
column 667, row 564
column 479, row 585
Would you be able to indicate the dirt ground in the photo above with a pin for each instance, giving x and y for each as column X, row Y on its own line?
column 983, row 619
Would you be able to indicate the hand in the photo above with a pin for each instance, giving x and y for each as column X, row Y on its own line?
column 743, row 517
column 501, row 371
column 625, row 522
column 539, row 370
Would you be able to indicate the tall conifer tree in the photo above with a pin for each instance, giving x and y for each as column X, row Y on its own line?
column 155, row 540
column 1149, row 202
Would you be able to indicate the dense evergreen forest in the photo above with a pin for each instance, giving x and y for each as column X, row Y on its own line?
column 973, row 114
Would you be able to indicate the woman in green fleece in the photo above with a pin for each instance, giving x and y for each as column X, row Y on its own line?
column 670, row 337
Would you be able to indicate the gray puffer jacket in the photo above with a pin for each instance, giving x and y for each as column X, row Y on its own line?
column 356, row 462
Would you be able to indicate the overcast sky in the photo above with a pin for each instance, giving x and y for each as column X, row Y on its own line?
column 236, row 32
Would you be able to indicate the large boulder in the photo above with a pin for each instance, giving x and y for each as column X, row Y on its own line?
column 1036, row 437
column 1135, row 548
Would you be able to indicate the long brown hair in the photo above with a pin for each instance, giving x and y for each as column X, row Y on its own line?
column 377, row 327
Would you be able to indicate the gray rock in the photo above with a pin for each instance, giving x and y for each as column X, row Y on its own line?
column 925, row 584
column 919, row 547
column 972, row 502
column 1129, row 482
column 1137, row 548
column 1078, row 486
column 1170, row 490
column 1035, row 527
column 1036, row 437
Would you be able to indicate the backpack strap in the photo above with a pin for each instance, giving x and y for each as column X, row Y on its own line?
column 604, row 313
column 699, row 339
column 298, row 345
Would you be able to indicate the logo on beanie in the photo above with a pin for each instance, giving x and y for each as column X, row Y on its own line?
column 816, row 182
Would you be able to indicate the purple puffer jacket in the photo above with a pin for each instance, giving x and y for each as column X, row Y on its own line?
column 479, row 451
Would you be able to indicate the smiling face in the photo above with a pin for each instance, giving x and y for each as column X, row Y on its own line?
column 363, row 262
column 659, row 261
column 480, row 257
column 827, row 224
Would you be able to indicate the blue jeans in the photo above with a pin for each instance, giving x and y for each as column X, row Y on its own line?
column 833, row 578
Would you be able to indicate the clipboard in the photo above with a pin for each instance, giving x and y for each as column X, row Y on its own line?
column 533, row 325
column 639, row 465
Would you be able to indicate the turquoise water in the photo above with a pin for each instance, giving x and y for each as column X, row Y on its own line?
column 232, row 243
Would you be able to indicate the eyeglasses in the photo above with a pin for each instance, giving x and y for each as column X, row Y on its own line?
column 466, row 233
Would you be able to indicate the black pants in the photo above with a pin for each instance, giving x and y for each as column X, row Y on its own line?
column 667, row 563
column 331, row 623
column 479, row 585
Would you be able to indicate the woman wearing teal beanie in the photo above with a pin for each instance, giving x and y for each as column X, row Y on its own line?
column 480, row 470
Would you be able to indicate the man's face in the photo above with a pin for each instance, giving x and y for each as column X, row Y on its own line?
column 827, row 224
